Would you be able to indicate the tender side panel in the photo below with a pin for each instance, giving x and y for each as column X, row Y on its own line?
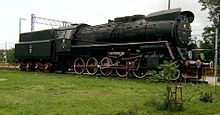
column 34, row 50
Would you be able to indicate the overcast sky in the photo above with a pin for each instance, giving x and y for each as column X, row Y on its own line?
column 92, row 12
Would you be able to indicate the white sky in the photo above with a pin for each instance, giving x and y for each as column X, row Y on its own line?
column 92, row 12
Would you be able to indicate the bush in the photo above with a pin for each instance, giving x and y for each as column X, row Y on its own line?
column 169, row 71
column 206, row 97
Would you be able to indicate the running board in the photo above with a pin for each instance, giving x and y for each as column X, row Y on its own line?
column 117, row 44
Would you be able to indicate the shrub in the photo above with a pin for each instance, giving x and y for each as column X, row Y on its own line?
column 168, row 71
column 206, row 97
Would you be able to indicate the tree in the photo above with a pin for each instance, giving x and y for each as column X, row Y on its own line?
column 11, row 55
column 209, row 32
column 1, row 56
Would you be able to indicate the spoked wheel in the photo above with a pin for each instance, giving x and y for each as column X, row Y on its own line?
column 92, row 66
column 37, row 66
column 140, row 72
column 28, row 66
column 20, row 66
column 122, row 70
column 105, row 65
column 48, row 67
column 79, row 66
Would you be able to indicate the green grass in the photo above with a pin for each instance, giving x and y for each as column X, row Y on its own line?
column 25, row 93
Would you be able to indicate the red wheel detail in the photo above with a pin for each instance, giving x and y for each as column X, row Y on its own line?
column 122, row 70
column 37, row 66
column 92, row 66
column 20, row 66
column 79, row 66
column 140, row 72
column 105, row 66
column 28, row 66
column 47, row 67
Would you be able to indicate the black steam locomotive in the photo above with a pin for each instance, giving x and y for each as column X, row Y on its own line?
column 132, row 44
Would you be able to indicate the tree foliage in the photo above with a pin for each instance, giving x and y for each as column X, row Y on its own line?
column 209, row 32
column 168, row 71
column 11, row 55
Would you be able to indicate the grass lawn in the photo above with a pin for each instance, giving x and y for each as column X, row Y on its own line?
column 39, row 93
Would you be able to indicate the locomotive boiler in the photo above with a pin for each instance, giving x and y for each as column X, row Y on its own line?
column 126, row 45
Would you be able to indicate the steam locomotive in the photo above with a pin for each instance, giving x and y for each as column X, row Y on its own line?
column 126, row 45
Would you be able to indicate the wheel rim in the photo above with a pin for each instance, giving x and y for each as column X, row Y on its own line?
column 28, row 66
column 37, row 66
column 92, row 66
column 122, row 71
column 47, row 67
column 20, row 66
column 79, row 66
column 105, row 65
column 140, row 72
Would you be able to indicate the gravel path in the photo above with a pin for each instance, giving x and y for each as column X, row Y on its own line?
column 211, row 80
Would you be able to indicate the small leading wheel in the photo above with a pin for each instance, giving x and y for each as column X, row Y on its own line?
column 140, row 72
column 122, row 70
column 79, row 66
column 92, row 66
column 105, row 65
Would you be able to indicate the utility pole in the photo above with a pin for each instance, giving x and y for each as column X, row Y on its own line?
column 2, row 55
column 168, row 4
column 5, row 53
column 32, row 22
column 20, row 19
column 216, row 52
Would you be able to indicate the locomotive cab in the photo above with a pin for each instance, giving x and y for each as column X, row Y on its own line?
column 64, row 37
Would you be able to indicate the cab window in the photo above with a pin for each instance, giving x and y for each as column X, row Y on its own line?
column 64, row 34
column 68, row 34
column 60, row 34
